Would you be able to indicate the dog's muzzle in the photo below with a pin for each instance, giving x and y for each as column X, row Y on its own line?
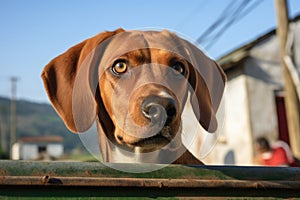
column 161, row 113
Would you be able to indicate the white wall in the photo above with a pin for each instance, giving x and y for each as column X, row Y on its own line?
column 55, row 150
column 16, row 151
column 28, row 151
column 264, row 78
column 235, row 143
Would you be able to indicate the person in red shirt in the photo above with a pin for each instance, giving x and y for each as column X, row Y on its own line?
column 277, row 155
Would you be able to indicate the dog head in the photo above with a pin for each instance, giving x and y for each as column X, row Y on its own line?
column 136, row 84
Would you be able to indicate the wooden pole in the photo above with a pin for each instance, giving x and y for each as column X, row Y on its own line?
column 3, row 122
column 13, row 114
column 291, row 98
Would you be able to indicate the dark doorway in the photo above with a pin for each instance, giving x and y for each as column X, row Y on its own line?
column 282, row 119
column 42, row 149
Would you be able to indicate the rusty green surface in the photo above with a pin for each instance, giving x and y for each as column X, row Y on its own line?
column 97, row 169
column 94, row 179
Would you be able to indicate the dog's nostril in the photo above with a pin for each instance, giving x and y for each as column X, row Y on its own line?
column 152, row 111
column 171, row 111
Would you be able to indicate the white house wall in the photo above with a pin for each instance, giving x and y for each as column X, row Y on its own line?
column 234, row 146
column 262, row 109
column 29, row 151
column 55, row 150
column 264, row 74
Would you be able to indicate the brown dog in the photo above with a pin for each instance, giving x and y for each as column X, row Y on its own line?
column 135, row 84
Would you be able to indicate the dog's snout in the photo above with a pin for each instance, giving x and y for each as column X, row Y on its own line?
column 158, row 109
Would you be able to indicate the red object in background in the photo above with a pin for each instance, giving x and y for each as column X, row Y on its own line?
column 277, row 158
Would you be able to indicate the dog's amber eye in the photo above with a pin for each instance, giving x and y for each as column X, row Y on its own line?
column 179, row 67
column 119, row 67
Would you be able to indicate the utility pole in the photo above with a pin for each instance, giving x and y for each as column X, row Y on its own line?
column 3, row 122
column 13, row 114
column 291, row 99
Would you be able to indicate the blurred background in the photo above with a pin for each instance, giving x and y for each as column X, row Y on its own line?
column 240, row 34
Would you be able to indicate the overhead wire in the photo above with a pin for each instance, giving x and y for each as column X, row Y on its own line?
column 230, row 20
column 218, row 21
column 231, row 14
column 230, row 23
column 197, row 9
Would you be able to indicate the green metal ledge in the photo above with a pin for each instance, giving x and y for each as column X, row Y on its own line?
column 77, row 179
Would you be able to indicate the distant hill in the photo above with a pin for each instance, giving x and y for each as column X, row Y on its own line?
column 37, row 119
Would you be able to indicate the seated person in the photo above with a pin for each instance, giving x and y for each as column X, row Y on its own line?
column 277, row 155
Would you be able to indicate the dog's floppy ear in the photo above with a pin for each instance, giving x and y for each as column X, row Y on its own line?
column 208, row 81
column 59, row 78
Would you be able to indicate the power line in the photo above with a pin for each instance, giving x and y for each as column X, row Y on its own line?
column 232, row 13
column 231, row 19
column 201, row 5
column 217, row 22
column 234, row 20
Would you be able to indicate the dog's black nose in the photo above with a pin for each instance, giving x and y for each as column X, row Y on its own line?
column 158, row 109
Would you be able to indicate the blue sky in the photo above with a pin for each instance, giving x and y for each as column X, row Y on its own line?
column 34, row 31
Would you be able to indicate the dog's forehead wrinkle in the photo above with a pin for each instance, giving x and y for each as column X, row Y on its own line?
column 124, row 43
column 139, row 56
column 138, row 37
column 156, row 39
